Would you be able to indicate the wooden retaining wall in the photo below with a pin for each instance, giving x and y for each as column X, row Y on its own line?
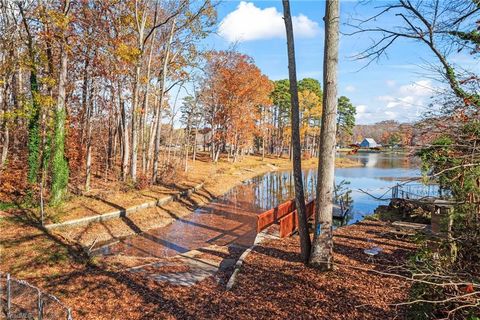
column 285, row 215
column 289, row 223
column 272, row 216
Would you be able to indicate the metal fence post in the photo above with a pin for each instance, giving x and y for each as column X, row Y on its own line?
column 40, row 305
column 8, row 295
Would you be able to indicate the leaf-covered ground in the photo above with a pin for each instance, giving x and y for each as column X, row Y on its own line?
column 273, row 283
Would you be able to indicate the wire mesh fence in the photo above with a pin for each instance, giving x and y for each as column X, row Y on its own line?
column 21, row 300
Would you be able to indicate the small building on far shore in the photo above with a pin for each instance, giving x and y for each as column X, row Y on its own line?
column 369, row 143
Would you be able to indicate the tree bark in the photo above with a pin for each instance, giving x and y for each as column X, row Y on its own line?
column 156, row 156
column 124, row 138
column 143, row 122
column 134, row 133
column 322, row 249
column 88, row 164
column 34, row 121
column 84, row 104
column 296, row 147
column 5, row 135
column 60, row 165
column 136, row 89
column 194, row 156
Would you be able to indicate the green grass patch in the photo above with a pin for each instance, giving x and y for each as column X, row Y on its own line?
column 7, row 205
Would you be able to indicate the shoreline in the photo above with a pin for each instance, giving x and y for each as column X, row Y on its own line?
column 99, row 233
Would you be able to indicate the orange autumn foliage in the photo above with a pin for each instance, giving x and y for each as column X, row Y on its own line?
column 233, row 90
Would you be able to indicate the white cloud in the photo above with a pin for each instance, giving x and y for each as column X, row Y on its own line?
column 248, row 22
column 391, row 115
column 362, row 113
column 420, row 88
column 405, row 103
column 350, row 88
column 386, row 98
column 304, row 27
column 361, row 109
column 391, row 83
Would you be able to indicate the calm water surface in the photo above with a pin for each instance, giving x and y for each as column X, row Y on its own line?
column 378, row 173
column 231, row 219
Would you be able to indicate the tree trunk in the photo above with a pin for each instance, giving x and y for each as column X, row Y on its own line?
column 88, row 165
column 296, row 147
column 124, row 139
column 156, row 155
column 5, row 136
column 134, row 137
column 143, row 137
column 60, row 165
column 34, row 120
column 152, row 131
column 136, row 89
column 5, row 143
column 194, row 156
column 322, row 249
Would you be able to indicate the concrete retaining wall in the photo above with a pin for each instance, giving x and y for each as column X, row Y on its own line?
column 125, row 211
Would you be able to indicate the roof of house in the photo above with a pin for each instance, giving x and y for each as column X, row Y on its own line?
column 370, row 140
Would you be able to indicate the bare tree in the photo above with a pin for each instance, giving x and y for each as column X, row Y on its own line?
column 305, row 242
column 158, row 119
column 322, row 249
column 442, row 26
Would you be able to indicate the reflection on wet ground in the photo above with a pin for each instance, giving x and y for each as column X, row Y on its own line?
column 222, row 222
column 231, row 219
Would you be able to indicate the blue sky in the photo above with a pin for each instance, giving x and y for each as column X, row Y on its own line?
column 397, row 87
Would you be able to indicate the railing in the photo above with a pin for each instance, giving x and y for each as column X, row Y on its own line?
column 285, row 215
column 21, row 300
column 418, row 191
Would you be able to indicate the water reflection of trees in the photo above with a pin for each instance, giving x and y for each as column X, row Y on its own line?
column 270, row 190
column 383, row 160
column 267, row 191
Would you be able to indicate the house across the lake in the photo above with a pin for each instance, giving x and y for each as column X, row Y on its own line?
column 369, row 143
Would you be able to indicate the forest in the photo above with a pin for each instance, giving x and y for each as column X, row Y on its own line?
column 124, row 91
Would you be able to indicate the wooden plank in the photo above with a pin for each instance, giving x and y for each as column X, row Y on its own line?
column 289, row 223
column 265, row 219
column 277, row 215
column 409, row 225
column 271, row 216
column 310, row 208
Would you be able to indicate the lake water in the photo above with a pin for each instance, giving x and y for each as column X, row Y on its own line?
column 376, row 175
column 231, row 219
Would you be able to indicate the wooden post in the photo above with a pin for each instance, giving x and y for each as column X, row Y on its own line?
column 451, row 242
column 435, row 220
